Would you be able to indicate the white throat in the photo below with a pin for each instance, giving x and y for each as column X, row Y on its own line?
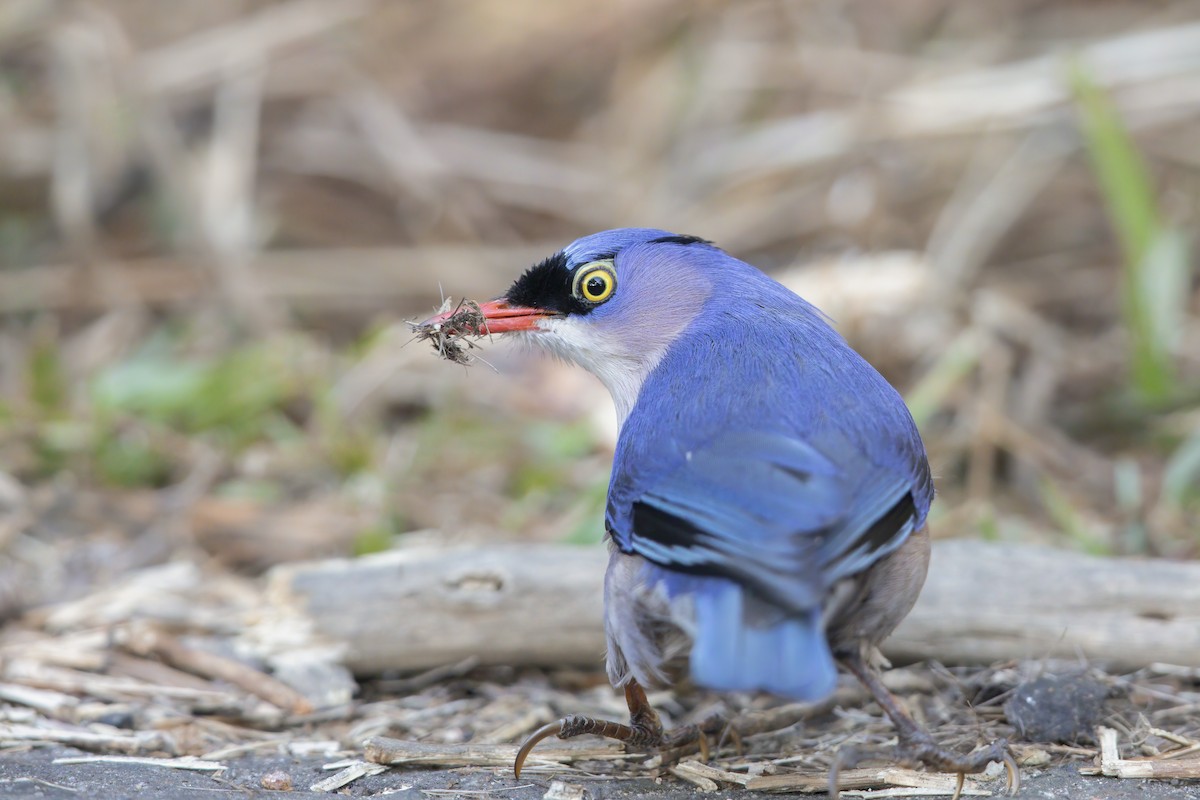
column 621, row 368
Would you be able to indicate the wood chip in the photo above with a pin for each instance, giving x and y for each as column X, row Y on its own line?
column 929, row 783
column 107, row 687
column 142, row 742
column 347, row 776
column 185, row 762
column 49, row 702
column 148, row 641
column 710, row 773
column 86, row 650
column 1172, row 765
column 396, row 752
column 1177, row 738
column 685, row 772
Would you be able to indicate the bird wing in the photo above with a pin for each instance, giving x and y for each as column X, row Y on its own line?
column 770, row 512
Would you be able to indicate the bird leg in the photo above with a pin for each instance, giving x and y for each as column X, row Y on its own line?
column 915, row 743
column 644, row 731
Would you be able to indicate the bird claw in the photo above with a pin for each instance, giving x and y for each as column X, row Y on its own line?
column 922, row 749
column 636, row 734
column 844, row 758
column 544, row 732
column 1012, row 782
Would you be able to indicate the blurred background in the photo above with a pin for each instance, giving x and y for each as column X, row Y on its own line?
column 215, row 219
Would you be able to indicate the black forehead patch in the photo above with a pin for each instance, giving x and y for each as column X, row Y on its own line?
column 547, row 286
column 683, row 240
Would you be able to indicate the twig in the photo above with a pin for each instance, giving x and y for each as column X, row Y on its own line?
column 147, row 641
column 423, row 680
column 143, row 742
column 856, row 779
column 395, row 752
column 32, row 673
column 183, row 762
column 50, row 703
column 353, row 772
column 1166, row 766
column 686, row 771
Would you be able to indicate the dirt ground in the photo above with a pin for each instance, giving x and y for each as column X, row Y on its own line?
column 31, row 773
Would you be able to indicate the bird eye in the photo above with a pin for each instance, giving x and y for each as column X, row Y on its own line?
column 595, row 283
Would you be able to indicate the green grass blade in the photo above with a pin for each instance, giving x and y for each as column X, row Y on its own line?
column 1152, row 257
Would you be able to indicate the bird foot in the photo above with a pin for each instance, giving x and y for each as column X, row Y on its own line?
column 916, row 746
column 672, row 745
column 920, row 748
column 644, row 731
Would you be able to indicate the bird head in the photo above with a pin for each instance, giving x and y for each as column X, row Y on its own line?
column 612, row 302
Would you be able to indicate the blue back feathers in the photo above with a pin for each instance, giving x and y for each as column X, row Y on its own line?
column 763, row 462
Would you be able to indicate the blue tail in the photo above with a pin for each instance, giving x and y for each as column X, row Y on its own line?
column 790, row 658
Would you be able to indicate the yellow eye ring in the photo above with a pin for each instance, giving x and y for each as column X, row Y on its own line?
column 596, row 282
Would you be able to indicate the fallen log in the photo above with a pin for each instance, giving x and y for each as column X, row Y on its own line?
column 541, row 605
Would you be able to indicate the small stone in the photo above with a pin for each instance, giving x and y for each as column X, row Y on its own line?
column 561, row 790
column 277, row 781
column 1063, row 709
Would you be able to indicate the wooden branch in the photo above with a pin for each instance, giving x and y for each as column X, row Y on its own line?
column 543, row 605
column 987, row 602
column 416, row 609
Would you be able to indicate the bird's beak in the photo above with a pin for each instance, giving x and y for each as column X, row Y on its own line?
column 494, row 316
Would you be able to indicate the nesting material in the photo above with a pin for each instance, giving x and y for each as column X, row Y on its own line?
column 450, row 336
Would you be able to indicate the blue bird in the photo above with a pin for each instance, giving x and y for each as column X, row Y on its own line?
column 767, row 510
